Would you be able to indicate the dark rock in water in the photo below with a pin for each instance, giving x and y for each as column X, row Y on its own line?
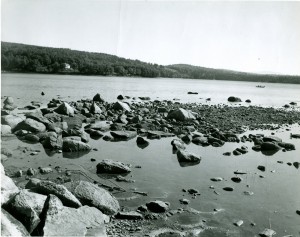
column 193, row 191
column 267, row 233
column 92, row 195
column 112, row 167
column 236, row 179
column 120, row 97
column 102, row 126
column 98, row 98
column 142, row 142
column 121, row 106
column 5, row 130
column 248, row 101
column 216, row 179
column 227, row 154
column 295, row 135
column 287, row 146
column 296, row 164
column 239, row 172
column 193, row 93
column 158, row 206
column 64, row 221
column 74, row 145
column 48, row 187
column 131, row 215
column 42, row 93
column 185, row 156
column 234, row 99
column 298, row 212
column 65, row 109
column 123, row 135
column 177, row 144
column 236, row 153
column 187, row 138
column 267, row 146
column 181, row 115
column 26, row 207
column 261, row 168
column 31, row 126
column 293, row 103
column 11, row 120
column 271, row 139
column 107, row 137
column 229, row 189
column 11, row 226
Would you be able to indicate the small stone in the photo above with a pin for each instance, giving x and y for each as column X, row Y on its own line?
column 261, row 168
column 298, row 212
column 192, row 191
column 236, row 179
column 184, row 201
column 239, row 223
column 46, row 170
column 30, row 171
column 92, row 159
column 19, row 173
column 229, row 189
column 216, row 179
column 248, row 193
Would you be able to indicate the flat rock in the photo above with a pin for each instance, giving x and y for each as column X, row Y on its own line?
column 70, row 145
column 158, row 206
column 11, row 226
column 112, row 167
column 48, row 187
column 124, row 135
column 181, row 115
column 271, row 139
column 216, row 179
column 92, row 195
column 65, row 221
column 130, row 215
column 30, row 125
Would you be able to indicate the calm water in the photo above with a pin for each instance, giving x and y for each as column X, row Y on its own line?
column 276, row 196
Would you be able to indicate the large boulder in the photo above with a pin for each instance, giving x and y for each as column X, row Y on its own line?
column 30, row 125
column 270, row 146
column 8, row 101
column 234, row 99
column 48, row 187
column 5, row 130
column 8, row 189
column 181, row 115
column 52, row 141
column 158, row 206
column 112, row 167
column 92, row 195
column 10, row 226
column 65, row 109
column 26, row 207
column 124, row 135
column 186, row 156
column 121, row 106
column 38, row 116
column 70, row 145
column 65, row 221
column 98, row 98
column 11, row 120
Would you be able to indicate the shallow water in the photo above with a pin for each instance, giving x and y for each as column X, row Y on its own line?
column 276, row 196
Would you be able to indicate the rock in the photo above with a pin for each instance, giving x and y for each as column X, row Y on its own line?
column 10, row 226
column 236, row 179
column 248, row 101
column 8, row 101
column 108, row 137
column 74, row 146
column 256, row 148
column 184, row 201
column 239, row 172
column 26, row 207
column 298, row 212
column 11, row 120
column 6, row 151
column 65, row 109
column 9, row 107
column 143, row 208
column 65, row 221
column 162, row 110
column 287, row 146
column 186, row 156
column 216, row 179
column 30, row 125
column 8, row 189
column 187, row 138
column 95, row 109
column 30, row 172
column 112, row 167
column 261, row 168
column 158, row 206
column 52, row 141
column 31, row 138
column 32, row 183
column 48, row 187
column 269, row 146
column 267, row 233
column 192, row 93
column 234, row 99
column 181, row 115
column 92, row 195
column 248, row 193
column 236, row 152
column 98, row 98
column 239, row 223
column 120, row 97
column 271, row 139
column 158, row 134
column 142, row 142
column 38, row 116
column 177, row 144
column 193, row 191
column 124, row 135
column 131, row 215
column 46, row 170
column 122, row 119
column 121, row 106
column 228, row 153
column 5, row 130
column 230, row 189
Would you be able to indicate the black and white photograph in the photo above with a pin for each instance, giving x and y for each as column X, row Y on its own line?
column 158, row 118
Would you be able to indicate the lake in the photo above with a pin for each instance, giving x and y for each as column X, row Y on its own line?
column 276, row 192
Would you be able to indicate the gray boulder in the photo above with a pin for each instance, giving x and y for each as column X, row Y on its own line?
column 31, row 126
column 95, row 109
column 121, row 106
column 65, row 109
column 112, row 167
column 177, row 144
column 5, row 130
column 267, row 233
column 181, row 115
column 10, row 226
column 48, row 187
column 158, row 206
column 11, row 120
column 124, row 135
column 92, row 195
column 65, row 221
column 186, row 156
column 70, row 145
column 52, row 141
column 26, row 206
column 8, row 101
column 8, row 189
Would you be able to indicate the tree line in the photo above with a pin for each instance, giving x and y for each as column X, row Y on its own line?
column 36, row 59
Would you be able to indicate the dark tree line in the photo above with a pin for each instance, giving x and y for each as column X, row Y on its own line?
column 36, row 59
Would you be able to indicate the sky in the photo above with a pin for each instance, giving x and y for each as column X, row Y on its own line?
column 247, row 36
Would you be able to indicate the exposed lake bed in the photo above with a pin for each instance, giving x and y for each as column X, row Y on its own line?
column 238, row 172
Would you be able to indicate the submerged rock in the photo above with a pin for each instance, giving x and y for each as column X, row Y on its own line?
column 112, row 167
column 92, row 195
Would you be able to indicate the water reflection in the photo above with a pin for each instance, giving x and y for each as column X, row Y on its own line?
column 74, row 155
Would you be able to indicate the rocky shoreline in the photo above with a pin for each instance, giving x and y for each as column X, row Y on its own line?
column 44, row 203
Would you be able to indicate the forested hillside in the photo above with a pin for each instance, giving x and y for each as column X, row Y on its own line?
column 36, row 59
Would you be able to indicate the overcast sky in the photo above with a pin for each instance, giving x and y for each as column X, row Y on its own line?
column 245, row 36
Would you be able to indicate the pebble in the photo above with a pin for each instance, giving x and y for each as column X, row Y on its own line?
column 236, row 179
column 216, row 179
column 239, row 223
column 230, row 189
column 261, row 168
